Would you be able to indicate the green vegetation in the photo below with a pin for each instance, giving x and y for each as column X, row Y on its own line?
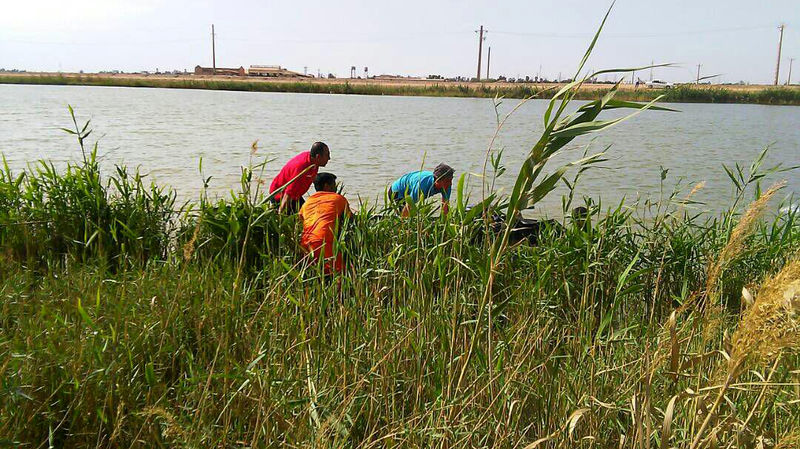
column 680, row 94
column 128, row 321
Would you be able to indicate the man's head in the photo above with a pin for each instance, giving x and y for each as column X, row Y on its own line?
column 442, row 176
column 325, row 182
column 580, row 216
column 320, row 154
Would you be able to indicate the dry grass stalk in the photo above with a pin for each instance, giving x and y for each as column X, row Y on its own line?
column 188, row 248
column 736, row 242
column 771, row 324
column 789, row 441
column 171, row 428
column 765, row 330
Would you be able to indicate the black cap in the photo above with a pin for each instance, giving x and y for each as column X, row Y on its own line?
column 443, row 171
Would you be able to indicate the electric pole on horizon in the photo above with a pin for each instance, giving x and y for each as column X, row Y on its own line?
column 651, row 70
column 780, row 44
column 789, row 80
column 698, row 74
column 480, row 50
column 488, row 60
column 213, row 52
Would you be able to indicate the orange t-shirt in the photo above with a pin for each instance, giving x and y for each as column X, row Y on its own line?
column 319, row 215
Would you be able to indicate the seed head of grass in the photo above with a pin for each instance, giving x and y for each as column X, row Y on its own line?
column 738, row 238
column 792, row 440
column 188, row 248
column 770, row 325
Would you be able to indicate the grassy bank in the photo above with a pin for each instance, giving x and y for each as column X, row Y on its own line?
column 680, row 94
column 127, row 320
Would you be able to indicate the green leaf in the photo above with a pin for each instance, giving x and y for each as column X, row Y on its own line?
column 460, row 194
column 732, row 176
column 86, row 318
column 149, row 374
column 617, row 104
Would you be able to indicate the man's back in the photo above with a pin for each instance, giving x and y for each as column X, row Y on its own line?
column 300, row 186
column 415, row 185
column 319, row 215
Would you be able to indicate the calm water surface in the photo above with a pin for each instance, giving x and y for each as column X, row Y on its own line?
column 375, row 139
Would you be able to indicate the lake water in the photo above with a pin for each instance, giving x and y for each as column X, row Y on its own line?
column 375, row 139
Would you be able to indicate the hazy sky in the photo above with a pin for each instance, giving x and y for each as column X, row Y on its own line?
column 735, row 38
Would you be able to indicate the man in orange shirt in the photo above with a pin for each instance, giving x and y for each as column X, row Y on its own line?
column 321, row 215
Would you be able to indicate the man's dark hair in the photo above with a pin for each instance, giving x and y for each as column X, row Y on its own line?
column 318, row 148
column 323, row 179
column 443, row 171
column 580, row 213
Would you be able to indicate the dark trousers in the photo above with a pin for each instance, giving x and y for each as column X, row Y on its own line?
column 292, row 206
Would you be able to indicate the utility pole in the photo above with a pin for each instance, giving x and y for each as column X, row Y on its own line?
column 213, row 52
column 651, row 70
column 480, row 50
column 698, row 74
column 488, row 60
column 778, row 64
column 305, row 70
column 789, row 80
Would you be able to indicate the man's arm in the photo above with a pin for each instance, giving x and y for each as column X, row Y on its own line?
column 445, row 206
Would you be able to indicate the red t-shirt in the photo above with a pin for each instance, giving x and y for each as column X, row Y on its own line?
column 300, row 186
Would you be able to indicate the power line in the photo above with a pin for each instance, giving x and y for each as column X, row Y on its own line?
column 366, row 39
column 633, row 35
column 415, row 36
column 133, row 43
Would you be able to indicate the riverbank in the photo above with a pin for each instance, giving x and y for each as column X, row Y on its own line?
column 130, row 320
column 127, row 321
column 771, row 95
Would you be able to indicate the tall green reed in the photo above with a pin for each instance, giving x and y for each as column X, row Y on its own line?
column 46, row 213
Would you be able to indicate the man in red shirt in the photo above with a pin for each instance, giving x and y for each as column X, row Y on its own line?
column 297, row 176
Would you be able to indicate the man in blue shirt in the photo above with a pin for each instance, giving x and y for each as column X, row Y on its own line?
column 420, row 185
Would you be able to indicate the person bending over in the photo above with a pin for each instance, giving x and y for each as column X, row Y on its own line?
column 423, row 184
column 297, row 175
column 321, row 216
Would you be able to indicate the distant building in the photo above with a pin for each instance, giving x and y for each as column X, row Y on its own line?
column 219, row 71
column 274, row 71
column 387, row 77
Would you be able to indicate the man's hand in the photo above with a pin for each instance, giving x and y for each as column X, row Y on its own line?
column 406, row 211
column 284, row 202
column 445, row 207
